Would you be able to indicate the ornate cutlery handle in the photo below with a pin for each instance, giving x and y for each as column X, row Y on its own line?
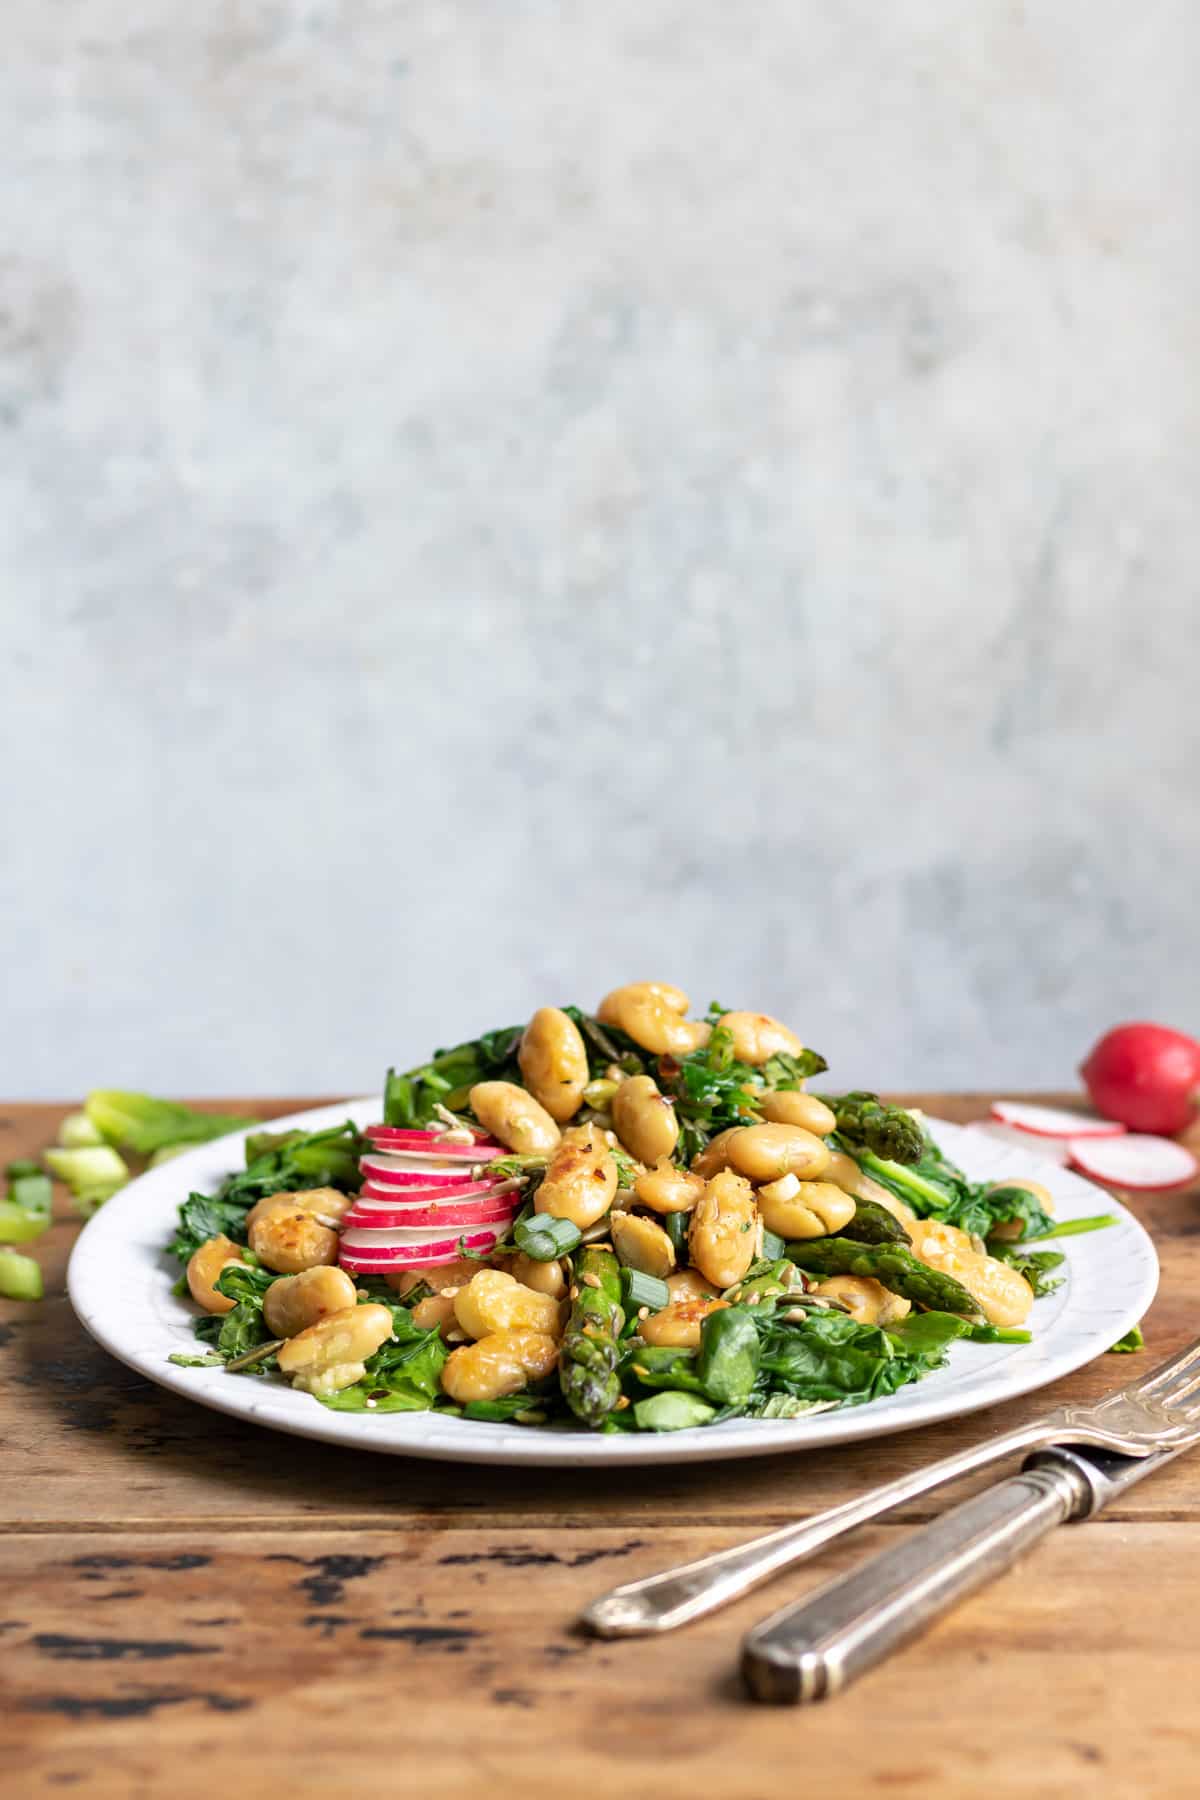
column 677, row 1596
column 816, row 1647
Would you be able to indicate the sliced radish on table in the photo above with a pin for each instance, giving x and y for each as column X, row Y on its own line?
column 1053, row 1121
column 1134, row 1161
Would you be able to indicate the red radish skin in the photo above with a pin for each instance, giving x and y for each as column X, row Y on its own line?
column 1051, row 1121
column 1141, row 1163
column 371, row 1260
column 386, row 1137
column 441, row 1213
column 407, row 1158
column 383, row 1172
column 1147, row 1076
column 379, row 1193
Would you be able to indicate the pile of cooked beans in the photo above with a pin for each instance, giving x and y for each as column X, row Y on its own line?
column 504, row 1319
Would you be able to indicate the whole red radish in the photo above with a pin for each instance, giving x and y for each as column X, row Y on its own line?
column 1147, row 1076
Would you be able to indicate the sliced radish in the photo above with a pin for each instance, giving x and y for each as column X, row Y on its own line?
column 1134, row 1161
column 388, row 1137
column 444, row 1213
column 430, row 1248
column 390, row 1171
column 379, row 1194
column 422, row 1133
column 1053, row 1121
column 449, row 1168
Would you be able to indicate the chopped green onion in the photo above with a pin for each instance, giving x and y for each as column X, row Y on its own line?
column 644, row 1290
column 25, row 1211
column 77, row 1132
column 773, row 1246
column 675, row 1225
column 20, row 1277
column 546, row 1238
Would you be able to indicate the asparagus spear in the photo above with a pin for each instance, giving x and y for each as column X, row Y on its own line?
column 587, row 1364
column 893, row 1265
column 874, row 1224
column 888, row 1131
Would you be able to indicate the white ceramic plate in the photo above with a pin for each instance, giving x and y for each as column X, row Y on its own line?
column 119, row 1282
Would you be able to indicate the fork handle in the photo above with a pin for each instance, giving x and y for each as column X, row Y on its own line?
column 812, row 1649
column 674, row 1597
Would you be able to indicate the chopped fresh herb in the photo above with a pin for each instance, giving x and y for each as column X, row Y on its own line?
column 1125, row 1346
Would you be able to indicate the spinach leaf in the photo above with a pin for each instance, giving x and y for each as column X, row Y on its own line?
column 242, row 1329
column 203, row 1216
column 831, row 1357
column 239, row 1283
column 1034, row 1265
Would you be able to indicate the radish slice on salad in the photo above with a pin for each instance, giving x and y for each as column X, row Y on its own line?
column 431, row 1247
column 388, row 1137
column 1134, row 1161
column 380, row 1194
column 395, row 1171
column 406, row 1157
column 444, row 1213
column 1053, row 1121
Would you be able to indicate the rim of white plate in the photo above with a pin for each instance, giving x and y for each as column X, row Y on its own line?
column 119, row 1281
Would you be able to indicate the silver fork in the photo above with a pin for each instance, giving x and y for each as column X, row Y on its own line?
column 1135, row 1421
column 814, row 1648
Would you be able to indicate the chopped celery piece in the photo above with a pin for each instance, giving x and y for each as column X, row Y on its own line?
column 143, row 1124
column 32, row 1193
column 20, row 1277
column 166, row 1153
column 92, row 1167
column 89, row 1200
column 77, row 1131
column 18, row 1226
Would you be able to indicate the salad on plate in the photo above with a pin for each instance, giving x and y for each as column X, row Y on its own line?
column 626, row 1220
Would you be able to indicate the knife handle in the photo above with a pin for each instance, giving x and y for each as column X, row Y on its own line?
column 815, row 1647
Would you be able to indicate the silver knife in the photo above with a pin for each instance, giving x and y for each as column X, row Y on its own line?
column 814, row 1648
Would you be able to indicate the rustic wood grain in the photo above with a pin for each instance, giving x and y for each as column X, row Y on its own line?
column 194, row 1605
column 447, row 1665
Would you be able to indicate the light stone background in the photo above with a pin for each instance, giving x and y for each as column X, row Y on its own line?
column 502, row 498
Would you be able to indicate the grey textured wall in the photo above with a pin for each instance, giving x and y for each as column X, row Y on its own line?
column 499, row 499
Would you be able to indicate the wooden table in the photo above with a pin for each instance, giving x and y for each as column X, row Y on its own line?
column 194, row 1606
